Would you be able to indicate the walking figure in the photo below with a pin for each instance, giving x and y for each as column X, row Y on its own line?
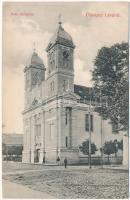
column 65, row 162
column 58, row 160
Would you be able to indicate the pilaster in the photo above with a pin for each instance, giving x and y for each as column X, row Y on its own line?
column 32, row 138
column 41, row 156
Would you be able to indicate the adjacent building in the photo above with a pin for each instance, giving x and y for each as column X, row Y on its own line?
column 12, row 139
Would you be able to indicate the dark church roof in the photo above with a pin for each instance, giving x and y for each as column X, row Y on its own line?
column 83, row 91
column 60, row 37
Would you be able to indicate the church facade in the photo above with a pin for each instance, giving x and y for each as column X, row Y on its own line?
column 56, row 114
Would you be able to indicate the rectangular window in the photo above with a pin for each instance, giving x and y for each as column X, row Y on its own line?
column 64, row 85
column 87, row 122
column 91, row 119
column 38, row 129
column 66, row 141
column 66, row 117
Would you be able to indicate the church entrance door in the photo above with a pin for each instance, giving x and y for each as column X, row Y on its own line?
column 37, row 155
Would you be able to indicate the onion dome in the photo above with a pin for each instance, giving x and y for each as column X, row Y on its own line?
column 35, row 61
column 60, row 37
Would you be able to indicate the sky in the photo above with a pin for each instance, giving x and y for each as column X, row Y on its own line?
column 27, row 23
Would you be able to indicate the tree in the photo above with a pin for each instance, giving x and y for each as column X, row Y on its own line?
column 109, row 148
column 10, row 150
column 120, row 145
column 3, row 149
column 110, row 76
column 84, row 148
column 15, row 150
column 18, row 150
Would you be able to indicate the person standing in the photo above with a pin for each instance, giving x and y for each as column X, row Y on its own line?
column 65, row 162
column 58, row 160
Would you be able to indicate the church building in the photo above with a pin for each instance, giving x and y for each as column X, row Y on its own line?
column 56, row 112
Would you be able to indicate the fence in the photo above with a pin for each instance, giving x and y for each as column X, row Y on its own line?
column 16, row 158
column 96, row 160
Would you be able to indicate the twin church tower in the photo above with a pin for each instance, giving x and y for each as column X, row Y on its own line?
column 60, row 70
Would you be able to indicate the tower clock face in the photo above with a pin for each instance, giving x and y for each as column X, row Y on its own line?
column 65, row 55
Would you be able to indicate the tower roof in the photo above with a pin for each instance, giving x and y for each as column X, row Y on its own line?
column 83, row 91
column 60, row 37
column 35, row 61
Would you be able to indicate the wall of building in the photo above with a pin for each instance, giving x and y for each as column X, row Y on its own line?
column 79, row 134
column 53, row 140
column 47, row 140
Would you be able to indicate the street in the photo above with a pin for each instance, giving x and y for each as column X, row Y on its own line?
column 31, row 181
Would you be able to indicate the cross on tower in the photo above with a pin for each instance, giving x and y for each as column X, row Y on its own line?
column 60, row 22
column 34, row 47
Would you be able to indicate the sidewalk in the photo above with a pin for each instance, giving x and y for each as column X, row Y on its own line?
column 14, row 190
column 121, row 167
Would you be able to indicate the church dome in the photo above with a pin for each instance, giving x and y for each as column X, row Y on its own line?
column 60, row 37
column 36, row 60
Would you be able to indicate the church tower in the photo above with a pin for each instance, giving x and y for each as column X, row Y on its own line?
column 60, row 52
column 34, row 75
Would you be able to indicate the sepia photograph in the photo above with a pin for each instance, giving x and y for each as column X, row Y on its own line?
column 65, row 100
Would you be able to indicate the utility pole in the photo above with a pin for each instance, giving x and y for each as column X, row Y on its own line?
column 57, row 126
column 101, row 145
column 101, row 104
column 30, row 139
column 70, row 126
column 44, row 137
column 89, row 139
column 90, row 132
